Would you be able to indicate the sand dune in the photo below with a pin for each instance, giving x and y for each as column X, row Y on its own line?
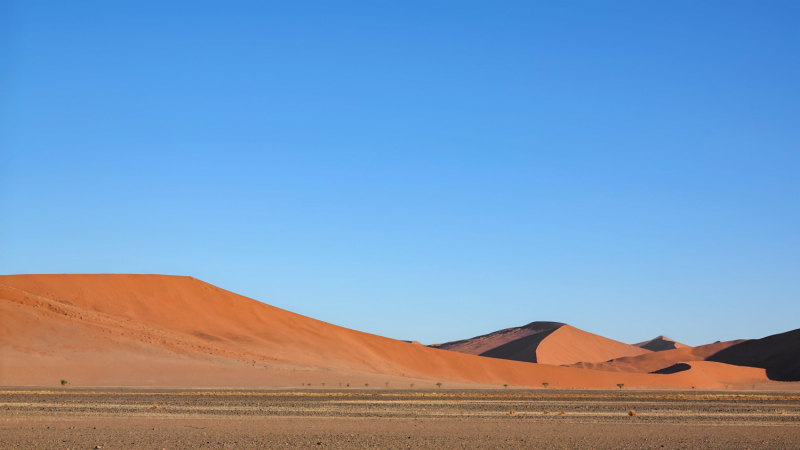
column 152, row 330
column 651, row 362
column 544, row 343
column 779, row 354
column 659, row 344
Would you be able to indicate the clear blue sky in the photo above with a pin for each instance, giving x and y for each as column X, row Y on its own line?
column 420, row 170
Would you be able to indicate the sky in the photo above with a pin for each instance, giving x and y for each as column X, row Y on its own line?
column 429, row 170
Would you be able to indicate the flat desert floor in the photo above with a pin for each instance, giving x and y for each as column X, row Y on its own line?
column 384, row 418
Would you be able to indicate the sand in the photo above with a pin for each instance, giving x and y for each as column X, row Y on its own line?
column 154, row 330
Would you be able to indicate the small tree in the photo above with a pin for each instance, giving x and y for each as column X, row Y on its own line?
column 505, row 385
column 387, row 385
column 366, row 384
column 64, row 382
column 412, row 385
column 340, row 384
column 620, row 385
column 348, row 384
column 439, row 384
column 545, row 385
column 323, row 384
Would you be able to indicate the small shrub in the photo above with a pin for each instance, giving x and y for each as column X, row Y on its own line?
column 412, row 385
column 64, row 382
column 632, row 413
column 562, row 412
column 545, row 385
column 512, row 412
column 783, row 412
column 505, row 385
column 621, row 385
column 546, row 412
column 154, row 407
column 439, row 384
column 323, row 384
column 366, row 384
column 387, row 385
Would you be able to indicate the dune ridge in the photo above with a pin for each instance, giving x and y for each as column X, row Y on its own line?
column 157, row 330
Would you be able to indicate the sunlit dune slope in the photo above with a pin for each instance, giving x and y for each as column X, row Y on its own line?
column 153, row 330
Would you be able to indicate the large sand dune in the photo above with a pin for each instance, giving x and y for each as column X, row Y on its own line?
column 152, row 330
column 779, row 354
column 545, row 343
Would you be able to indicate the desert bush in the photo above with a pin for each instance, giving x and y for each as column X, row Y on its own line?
column 64, row 382
column 632, row 413
column 546, row 412
column 545, row 385
column 620, row 385
column 505, row 385
column 562, row 412
column 439, row 384
column 512, row 412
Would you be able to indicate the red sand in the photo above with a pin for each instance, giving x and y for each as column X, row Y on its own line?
column 650, row 362
column 153, row 330
column 569, row 345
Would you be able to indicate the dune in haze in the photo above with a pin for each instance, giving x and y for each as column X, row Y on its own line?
column 659, row 344
column 154, row 330
column 544, row 343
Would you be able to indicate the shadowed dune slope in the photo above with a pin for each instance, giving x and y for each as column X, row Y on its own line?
column 478, row 345
column 655, row 361
column 659, row 344
column 779, row 354
column 154, row 330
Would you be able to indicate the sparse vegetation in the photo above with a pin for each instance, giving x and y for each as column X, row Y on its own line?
column 412, row 385
column 64, row 382
column 545, row 385
column 783, row 412
column 439, row 384
column 387, row 385
column 512, row 412
column 621, row 385
column 323, row 384
column 505, row 385
column 348, row 384
column 562, row 412
column 366, row 384
column 632, row 413
column 546, row 412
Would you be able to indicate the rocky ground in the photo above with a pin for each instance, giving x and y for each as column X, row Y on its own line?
column 445, row 419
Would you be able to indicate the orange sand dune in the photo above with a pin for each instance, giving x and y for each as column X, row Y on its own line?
column 659, row 344
column 152, row 330
column 545, row 343
column 651, row 362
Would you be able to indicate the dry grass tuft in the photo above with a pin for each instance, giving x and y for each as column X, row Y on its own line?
column 154, row 407
column 512, row 412
column 562, row 412
column 546, row 411
column 783, row 412
column 632, row 413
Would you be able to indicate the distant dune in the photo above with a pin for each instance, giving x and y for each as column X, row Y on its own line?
column 154, row 330
column 659, row 344
column 544, row 343
column 655, row 361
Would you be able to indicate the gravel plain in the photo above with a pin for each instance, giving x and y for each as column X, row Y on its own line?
column 372, row 418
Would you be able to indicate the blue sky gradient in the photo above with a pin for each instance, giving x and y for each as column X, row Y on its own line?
column 419, row 170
